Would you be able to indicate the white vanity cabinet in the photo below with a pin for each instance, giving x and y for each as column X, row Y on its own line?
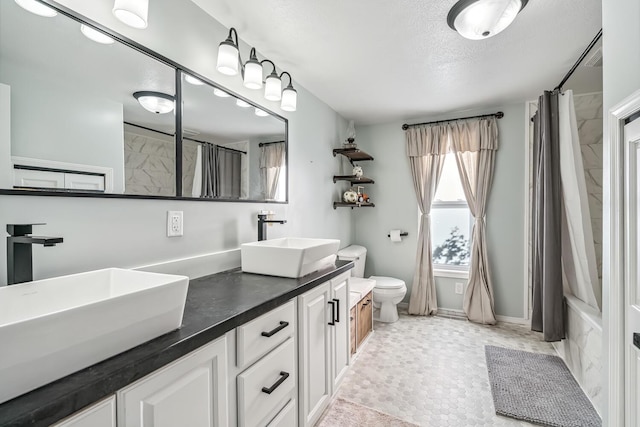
column 323, row 345
column 101, row 414
column 191, row 391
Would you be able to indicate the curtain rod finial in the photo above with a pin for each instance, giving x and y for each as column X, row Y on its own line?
column 499, row 115
column 405, row 126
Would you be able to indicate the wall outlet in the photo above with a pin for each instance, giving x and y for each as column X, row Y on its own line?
column 174, row 223
column 459, row 288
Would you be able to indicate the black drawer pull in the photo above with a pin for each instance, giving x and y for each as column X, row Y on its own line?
column 364, row 304
column 333, row 313
column 283, row 325
column 636, row 339
column 337, row 310
column 283, row 376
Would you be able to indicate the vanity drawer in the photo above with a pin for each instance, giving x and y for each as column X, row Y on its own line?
column 264, row 387
column 287, row 417
column 261, row 335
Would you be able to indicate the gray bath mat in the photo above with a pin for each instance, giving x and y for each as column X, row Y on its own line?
column 537, row 388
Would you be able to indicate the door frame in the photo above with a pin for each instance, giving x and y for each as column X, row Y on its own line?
column 613, row 261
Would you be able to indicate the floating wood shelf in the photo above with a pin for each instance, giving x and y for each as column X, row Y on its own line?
column 353, row 154
column 352, row 205
column 353, row 179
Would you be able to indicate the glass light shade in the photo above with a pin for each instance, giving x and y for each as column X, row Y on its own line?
column 155, row 102
column 273, row 88
column 95, row 35
column 134, row 13
column 289, row 99
column 253, row 75
column 241, row 103
column 486, row 18
column 351, row 130
column 261, row 113
column 193, row 80
column 227, row 59
column 37, row 8
column 220, row 93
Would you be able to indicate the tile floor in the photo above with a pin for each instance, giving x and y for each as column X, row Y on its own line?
column 431, row 371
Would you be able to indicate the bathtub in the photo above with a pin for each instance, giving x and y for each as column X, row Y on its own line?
column 582, row 348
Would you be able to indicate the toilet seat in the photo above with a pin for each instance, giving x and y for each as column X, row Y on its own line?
column 383, row 282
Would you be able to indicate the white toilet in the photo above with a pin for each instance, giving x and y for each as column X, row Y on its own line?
column 387, row 291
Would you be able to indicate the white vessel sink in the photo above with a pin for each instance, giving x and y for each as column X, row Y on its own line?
column 289, row 256
column 51, row 328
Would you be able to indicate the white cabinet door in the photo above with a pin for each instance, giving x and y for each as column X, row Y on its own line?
column 102, row 414
column 340, row 330
column 189, row 392
column 314, row 357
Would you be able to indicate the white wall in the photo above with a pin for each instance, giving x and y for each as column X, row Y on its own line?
column 621, row 32
column 114, row 232
column 396, row 207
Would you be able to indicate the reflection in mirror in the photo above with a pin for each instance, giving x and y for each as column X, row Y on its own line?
column 75, row 123
column 231, row 149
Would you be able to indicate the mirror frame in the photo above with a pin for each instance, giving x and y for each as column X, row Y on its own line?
column 178, row 70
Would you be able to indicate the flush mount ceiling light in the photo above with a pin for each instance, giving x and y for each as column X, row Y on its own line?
column 480, row 19
column 95, row 35
column 230, row 63
column 193, row 80
column 156, row 102
column 134, row 13
column 36, row 7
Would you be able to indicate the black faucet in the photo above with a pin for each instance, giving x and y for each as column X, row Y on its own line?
column 19, row 253
column 262, row 225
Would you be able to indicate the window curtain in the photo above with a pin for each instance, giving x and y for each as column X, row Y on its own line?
column 475, row 143
column 196, row 189
column 221, row 172
column 426, row 149
column 271, row 161
column 547, row 316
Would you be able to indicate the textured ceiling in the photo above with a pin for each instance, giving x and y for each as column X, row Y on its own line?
column 377, row 61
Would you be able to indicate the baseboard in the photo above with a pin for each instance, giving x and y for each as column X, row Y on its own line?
column 197, row 266
column 513, row 320
column 460, row 314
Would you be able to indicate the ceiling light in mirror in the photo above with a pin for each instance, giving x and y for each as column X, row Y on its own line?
column 252, row 72
column 220, row 93
column 261, row 113
column 155, row 102
column 228, row 55
column 243, row 104
column 273, row 87
column 480, row 19
column 36, row 7
column 95, row 35
column 193, row 80
column 134, row 13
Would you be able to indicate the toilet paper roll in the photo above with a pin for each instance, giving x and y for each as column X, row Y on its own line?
column 395, row 236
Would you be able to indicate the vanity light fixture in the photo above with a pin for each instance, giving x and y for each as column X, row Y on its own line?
column 95, row 35
column 134, row 13
column 155, row 102
column 193, row 80
column 220, row 93
column 243, row 104
column 261, row 113
column 230, row 63
column 480, row 19
column 37, row 8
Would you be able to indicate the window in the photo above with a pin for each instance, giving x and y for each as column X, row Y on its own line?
column 451, row 221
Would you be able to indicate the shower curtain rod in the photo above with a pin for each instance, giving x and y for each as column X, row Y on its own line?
column 262, row 144
column 580, row 59
column 497, row 115
column 184, row 138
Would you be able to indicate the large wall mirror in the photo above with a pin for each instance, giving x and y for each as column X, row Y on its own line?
column 90, row 115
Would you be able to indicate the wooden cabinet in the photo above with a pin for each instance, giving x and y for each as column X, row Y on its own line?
column 101, row 414
column 191, row 391
column 364, row 319
column 323, row 345
column 352, row 329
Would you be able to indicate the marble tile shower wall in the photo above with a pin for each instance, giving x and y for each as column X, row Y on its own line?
column 589, row 117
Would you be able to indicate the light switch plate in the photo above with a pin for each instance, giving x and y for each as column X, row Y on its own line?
column 459, row 288
column 174, row 223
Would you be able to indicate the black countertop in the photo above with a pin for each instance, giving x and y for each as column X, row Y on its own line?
column 215, row 305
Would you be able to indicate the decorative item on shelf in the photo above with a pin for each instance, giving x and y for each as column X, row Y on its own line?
column 350, row 196
column 351, row 136
column 357, row 171
column 362, row 196
column 229, row 59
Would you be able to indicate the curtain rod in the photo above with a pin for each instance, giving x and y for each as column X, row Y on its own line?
column 186, row 137
column 262, row 144
column 577, row 64
column 497, row 115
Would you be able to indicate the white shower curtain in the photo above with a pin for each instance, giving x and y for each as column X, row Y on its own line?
column 580, row 274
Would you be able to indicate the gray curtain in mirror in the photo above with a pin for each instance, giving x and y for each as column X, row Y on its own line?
column 547, row 314
column 271, row 162
column 475, row 143
column 221, row 172
column 426, row 149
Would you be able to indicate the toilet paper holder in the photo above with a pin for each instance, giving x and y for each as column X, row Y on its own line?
column 402, row 234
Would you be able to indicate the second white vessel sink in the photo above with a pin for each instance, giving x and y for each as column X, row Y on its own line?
column 289, row 256
column 54, row 327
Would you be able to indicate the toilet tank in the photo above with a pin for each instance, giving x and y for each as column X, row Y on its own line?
column 355, row 253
